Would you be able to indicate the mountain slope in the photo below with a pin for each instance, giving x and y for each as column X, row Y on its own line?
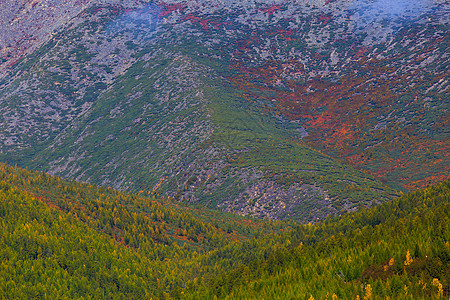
column 291, row 110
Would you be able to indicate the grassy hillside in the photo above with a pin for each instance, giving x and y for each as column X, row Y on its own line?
column 65, row 239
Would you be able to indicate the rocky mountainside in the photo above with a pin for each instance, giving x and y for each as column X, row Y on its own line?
column 278, row 109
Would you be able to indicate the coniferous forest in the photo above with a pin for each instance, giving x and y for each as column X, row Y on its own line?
column 63, row 239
